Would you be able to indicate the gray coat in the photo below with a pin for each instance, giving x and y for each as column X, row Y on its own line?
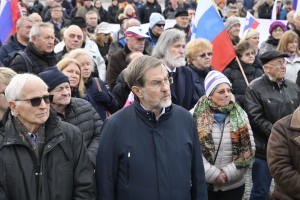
column 82, row 114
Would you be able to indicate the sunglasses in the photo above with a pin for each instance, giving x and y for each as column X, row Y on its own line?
column 160, row 25
column 37, row 100
column 205, row 54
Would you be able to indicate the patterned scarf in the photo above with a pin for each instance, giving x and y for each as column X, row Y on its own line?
column 241, row 145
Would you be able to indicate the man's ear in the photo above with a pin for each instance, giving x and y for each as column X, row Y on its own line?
column 12, row 106
column 137, row 91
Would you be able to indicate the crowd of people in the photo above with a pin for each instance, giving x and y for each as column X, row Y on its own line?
column 88, row 113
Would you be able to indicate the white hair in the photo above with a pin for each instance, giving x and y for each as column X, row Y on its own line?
column 14, row 89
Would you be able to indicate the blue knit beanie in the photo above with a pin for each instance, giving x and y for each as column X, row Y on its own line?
column 53, row 77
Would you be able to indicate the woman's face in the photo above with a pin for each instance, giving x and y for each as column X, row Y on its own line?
column 254, row 40
column 72, row 71
column 248, row 56
column 130, row 11
column 292, row 46
column 98, row 4
column 221, row 95
column 86, row 65
column 202, row 59
column 277, row 32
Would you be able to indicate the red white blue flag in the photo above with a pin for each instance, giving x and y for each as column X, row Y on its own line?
column 9, row 15
column 209, row 25
column 250, row 22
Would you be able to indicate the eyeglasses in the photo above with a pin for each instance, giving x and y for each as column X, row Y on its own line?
column 278, row 64
column 229, row 90
column 160, row 25
column 279, row 30
column 250, row 54
column 205, row 54
column 159, row 83
column 37, row 100
column 57, row 11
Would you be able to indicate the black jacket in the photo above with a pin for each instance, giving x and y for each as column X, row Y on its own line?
column 147, row 9
column 265, row 11
column 121, row 90
column 198, row 79
column 239, row 85
column 112, row 13
column 9, row 49
column 40, row 61
column 103, row 101
column 265, row 103
column 64, row 171
column 183, row 88
column 81, row 114
column 142, row 158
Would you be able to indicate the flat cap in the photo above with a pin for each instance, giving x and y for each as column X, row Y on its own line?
column 270, row 55
column 182, row 13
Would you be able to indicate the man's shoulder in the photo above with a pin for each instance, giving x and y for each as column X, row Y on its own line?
column 80, row 103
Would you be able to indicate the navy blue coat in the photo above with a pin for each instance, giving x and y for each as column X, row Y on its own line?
column 198, row 78
column 183, row 89
column 142, row 158
column 9, row 49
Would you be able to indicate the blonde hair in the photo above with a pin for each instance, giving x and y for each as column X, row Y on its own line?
column 195, row 46
column 64, row 63
column 6, row 74
column 249, row 34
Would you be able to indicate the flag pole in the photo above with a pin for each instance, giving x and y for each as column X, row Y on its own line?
column 242, row 70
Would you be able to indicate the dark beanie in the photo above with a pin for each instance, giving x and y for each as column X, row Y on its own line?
column 53, row 77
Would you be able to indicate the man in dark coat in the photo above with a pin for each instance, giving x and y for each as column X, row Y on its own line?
column 75, row 111
column 41, row 157
column 58, row 21
column 150, row 150
column 39, row 53
column 265, row 9
column 151, row 6
column 268, row 99
column 17, row 41
column 171, row 49
column 182, row 23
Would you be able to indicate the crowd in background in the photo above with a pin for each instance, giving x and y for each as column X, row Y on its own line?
column 97, row 79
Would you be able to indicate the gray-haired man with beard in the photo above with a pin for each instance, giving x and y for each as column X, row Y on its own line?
column 171, row 49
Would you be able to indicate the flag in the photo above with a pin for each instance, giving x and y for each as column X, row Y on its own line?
column 9, row 15
column 296, row 6
column 209, row 25
column 250, row 22
column 274, row 11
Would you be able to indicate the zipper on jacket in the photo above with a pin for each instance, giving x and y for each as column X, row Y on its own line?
column 128, row 167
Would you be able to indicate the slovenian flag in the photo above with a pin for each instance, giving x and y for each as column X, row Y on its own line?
column 250, row 22
column 9, row 15
column 209, row 25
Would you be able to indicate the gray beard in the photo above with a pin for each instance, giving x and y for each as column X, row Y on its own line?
column 175, row 62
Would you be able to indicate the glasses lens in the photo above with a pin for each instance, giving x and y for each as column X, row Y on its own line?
column 37, row 101
column 206, row 54
column 160, row 25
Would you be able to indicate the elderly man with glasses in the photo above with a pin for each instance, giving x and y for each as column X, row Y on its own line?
column 150, row 149
column 41, row 157
column 268, row 99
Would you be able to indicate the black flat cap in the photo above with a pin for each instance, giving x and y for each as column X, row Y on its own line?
column 79, row 21
column 270, row 55
column 182, row 13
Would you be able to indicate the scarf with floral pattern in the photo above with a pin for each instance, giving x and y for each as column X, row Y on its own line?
column 242, row 153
